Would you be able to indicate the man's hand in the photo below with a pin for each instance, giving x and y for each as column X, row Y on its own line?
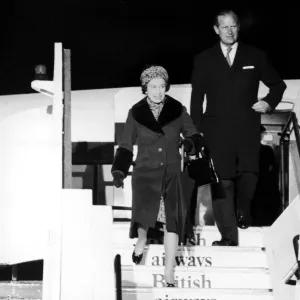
column 261, row 107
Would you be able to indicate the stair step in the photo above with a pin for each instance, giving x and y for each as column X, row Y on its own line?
column 195, row 294
column 197, row 256
column 204, row 236
column 198, row 277
column 33, row 291
column 21, row 290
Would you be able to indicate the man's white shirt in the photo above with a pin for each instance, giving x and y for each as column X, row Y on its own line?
column 231, row 53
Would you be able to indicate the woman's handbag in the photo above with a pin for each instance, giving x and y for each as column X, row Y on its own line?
column 201, row 168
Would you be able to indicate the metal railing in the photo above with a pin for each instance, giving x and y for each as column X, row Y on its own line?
column 290, row 126
column 282, row 238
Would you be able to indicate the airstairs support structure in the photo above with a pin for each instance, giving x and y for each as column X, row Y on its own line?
column 69, row 234
column 79, row 241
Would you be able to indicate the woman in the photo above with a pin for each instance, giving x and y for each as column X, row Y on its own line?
column 155, row 124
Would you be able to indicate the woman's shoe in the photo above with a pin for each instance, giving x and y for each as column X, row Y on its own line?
column 170, row 284
column 169, row 278
column 136, row 258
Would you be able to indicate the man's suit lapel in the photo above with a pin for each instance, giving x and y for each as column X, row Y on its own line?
column 239, row 57
column 219, row 56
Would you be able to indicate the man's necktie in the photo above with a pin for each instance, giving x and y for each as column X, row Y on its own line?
column 227, row 56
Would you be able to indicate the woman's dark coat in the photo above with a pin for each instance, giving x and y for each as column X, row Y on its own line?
column 230, row 126
column 158, row 155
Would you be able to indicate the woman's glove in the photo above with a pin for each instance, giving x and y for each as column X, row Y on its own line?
column 188, row 145
column 118, row 180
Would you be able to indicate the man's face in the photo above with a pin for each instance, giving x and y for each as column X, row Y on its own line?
column 227, row 30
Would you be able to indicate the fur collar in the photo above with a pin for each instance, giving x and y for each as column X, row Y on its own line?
column 142, row 114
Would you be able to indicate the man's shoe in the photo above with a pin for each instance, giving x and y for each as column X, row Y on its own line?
column 243, row 220
column 225, row 242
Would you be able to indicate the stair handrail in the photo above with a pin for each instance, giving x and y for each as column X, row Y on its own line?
column 285, row 135
column 284, row 141
column 286, row 132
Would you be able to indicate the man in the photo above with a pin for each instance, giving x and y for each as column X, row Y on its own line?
column 229, row 75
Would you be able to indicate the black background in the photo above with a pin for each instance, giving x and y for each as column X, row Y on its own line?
column 112, row 40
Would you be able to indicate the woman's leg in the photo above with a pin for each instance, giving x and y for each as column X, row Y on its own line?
column 170, row 244
column 142, row 240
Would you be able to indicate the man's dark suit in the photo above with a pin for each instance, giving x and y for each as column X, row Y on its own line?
column 230, row 126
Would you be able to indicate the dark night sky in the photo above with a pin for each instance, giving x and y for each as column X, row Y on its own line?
column 112, row 40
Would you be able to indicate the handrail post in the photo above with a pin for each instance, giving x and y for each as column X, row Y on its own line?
column 284, row 161
column 296, row 130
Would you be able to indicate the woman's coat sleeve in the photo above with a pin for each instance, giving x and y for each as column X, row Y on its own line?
column 124, row 154
column 189, row 131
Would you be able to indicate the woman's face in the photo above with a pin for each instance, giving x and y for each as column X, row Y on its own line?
column 156, row 90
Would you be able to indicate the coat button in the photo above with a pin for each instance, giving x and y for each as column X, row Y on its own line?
column 159, row 149
column 159, row 135
column 161, row 163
